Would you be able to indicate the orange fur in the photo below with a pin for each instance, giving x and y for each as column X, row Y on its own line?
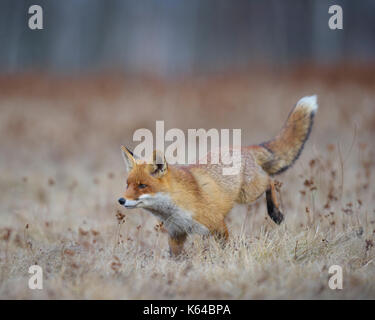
column 198, row 197
column 279, row 154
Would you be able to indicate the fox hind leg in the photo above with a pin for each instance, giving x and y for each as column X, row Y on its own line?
column 272, row 205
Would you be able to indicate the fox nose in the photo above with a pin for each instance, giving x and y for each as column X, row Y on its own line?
column 121, row 201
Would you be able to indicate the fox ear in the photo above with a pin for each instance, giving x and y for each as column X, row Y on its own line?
column 128, row 158
column 159, row 164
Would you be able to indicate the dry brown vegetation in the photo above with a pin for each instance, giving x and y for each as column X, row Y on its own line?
column 62, row 172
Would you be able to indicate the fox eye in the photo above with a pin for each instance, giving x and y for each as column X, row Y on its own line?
column 142, row 186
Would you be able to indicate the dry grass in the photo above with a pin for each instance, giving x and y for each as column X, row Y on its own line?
column 61, row 175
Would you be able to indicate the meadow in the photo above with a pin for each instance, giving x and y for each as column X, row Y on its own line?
column 62, row 173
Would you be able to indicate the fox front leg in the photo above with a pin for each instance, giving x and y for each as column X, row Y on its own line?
column 221, row 233
column 176, row 244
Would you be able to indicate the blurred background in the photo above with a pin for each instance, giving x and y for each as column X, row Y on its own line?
column 101, row 69
column 172, row 38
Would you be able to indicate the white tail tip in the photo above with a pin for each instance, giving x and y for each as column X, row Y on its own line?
column 309, row 102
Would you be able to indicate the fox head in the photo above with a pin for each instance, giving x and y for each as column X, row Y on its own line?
column 145, row 180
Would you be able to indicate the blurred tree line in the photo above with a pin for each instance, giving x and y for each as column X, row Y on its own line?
column 171, row 37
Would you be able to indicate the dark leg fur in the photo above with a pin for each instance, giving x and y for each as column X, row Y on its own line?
column 272, row 209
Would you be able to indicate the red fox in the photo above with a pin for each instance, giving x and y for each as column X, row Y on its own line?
column 196, row 198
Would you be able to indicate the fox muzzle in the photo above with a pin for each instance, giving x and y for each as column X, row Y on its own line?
column 128, row 203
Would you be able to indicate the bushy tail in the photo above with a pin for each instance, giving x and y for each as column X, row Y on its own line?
column 278, row 154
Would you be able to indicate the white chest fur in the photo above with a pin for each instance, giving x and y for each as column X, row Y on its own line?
column 175, row 219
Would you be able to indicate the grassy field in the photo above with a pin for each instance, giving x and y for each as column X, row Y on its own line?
column 62, row 173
